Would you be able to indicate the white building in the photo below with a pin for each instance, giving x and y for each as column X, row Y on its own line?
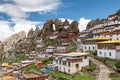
column 45, row 55
column 71, row 63
column 91, row 44
column 50, row 49
column 42, row 55
column 109, row 49
column 61, row 49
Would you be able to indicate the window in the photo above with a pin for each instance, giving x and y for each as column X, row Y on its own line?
column 110, row 35
column 85, row 57
column 93, row 47
column 64, row 69
column 60, row 62
column 56, row 61
column 110, row 54
column 89, row 48
column 64, row 63
column 100, row 53
column 69, row 64
column 77, row 65
column 68, row 70
column 85, row 47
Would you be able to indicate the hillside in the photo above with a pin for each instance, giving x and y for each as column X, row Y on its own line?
column 20, row 43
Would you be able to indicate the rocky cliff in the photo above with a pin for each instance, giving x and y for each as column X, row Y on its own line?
column 60, row 26
column 93, row 23
column 14, row 39
column 11, row 45
column 1, row 49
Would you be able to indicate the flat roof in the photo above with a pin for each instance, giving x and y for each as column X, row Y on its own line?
column 8, row 78
column 90, row 39
column 73, row 54
column 110, row 42
column 31, row 75
column 5, row 64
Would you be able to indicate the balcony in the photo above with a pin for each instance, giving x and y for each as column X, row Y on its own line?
column 111, row 23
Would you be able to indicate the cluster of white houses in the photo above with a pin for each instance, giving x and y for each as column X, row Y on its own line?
column 103, row 37
column 66, row 62
column 72, row 62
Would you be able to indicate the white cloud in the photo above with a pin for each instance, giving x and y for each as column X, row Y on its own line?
column 4, row 30
column 37, row 5
column 18, row 8
column 83, row 23
column 20, row 25
column 24, row 25
column 13, row 11
column 63, row 19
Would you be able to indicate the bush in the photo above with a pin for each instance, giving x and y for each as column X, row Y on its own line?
column 91, row 67
column 93, row 53
column 117, row 65
column 113, row 75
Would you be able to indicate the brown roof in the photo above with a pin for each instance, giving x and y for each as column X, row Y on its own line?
column 31, row 75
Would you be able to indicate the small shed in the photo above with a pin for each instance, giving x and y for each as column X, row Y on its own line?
column 39, row 63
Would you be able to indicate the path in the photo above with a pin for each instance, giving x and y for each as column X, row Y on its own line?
column 104, row 71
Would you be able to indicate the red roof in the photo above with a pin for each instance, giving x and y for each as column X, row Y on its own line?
column 71, row 35
column 62, row 36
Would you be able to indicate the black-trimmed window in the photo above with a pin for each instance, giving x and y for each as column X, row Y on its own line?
column 109, row 53
column 93, row 47
column 68, row 70
column 85, row 57
column 77, row 65
column 100, row 52
column 69, row 64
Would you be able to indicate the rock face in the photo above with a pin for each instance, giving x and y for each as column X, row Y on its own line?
column 52, row 26
column 59, row 26
column 30, row 33
column 11, row 44
column 92, row 23
column 1, row 50
column 1, row 45
column 14, row 39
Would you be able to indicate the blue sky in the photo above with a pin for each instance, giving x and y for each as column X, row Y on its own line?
column 20, row 14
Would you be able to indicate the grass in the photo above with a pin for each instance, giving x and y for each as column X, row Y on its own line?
column 47, row 61
column 83, row 77
column 61, row 75
column 18, row 58
column 76, row 76
column 33, row 67
column 118, row 78
column 72, row 50
column 114, row 76
column 117, row 65
column 91, row 67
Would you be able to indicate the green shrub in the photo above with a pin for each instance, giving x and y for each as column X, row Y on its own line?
column 113, row 75
column 117, row 65
column 91, row 67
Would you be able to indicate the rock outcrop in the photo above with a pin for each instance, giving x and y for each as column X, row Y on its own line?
column 59, row 26
column 1, row 50
column 11, row 45
column 92, row 23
